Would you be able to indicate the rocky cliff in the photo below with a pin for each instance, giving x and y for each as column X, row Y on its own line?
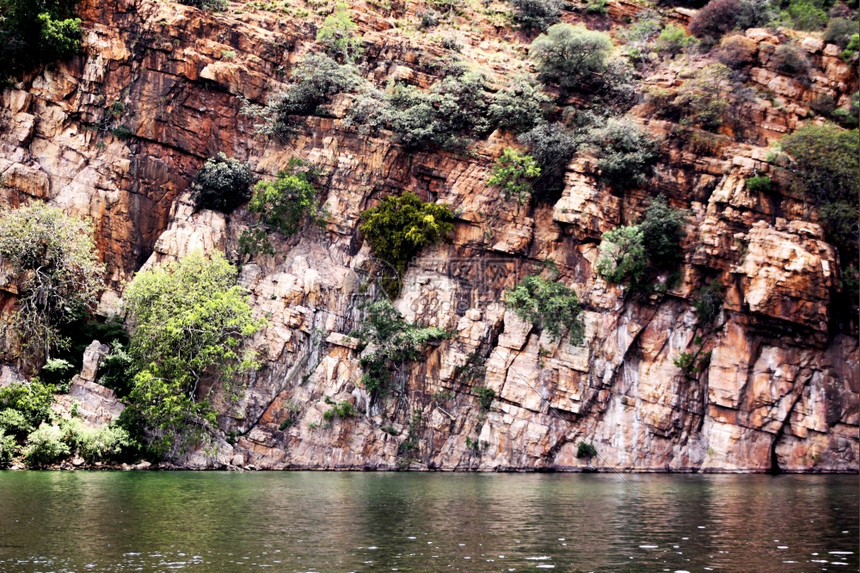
column 780, row 390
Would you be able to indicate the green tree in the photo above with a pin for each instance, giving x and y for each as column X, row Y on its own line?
column 399, row 227
column 625, row 153
column 190, row 324
column 53, row 259
column 213, row 5
column 34, row 32
column 662, row 231
column 285, row 202
column 513, row 173
column 571, row 56
column 825, row 168
column 337, row 34
column 548, row 304
column 537, row 14
column 622, row 255
column 222, row 184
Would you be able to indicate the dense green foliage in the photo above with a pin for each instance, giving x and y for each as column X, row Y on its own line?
column 572, row 56
column 628, row 253
column 34, row 32
column 392, row 342
column 338, row 34
column 399, row 227
column 537, row 14
column 702, row 100
column 548, row 304
column 190, row 325
column 551, row 144
column 826, row 170
column 512, row 173
column 315, row 79
column 222, row 184
column 23, row 406
column 283, row 205
column 622, row 256
column 520, row 106
column 759, row 184
column 585, row 450
column 839, row 31
column 54, row 260
column 662, row 231
column 625, row 153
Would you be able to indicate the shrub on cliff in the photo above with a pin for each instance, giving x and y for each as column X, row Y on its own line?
column 548, row 304
column 717, row 18
column 622, row 256
column 393, row 342
column 662, row 231
column 282, row 206
column 625, row 153
column 839, row 31
column 537, row 14
column 338, row 34
column 53, row 258
column 513, row 173
column 790, row 60
column 34, row 32
column 520, row 106
column 825, row 168
column 399, row 227
column 572, row 56
column 45, row 446
column 190, row 327
column 222, row 184
column 315, row 79
column 704, row 99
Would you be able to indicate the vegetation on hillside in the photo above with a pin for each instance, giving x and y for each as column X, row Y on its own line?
column 36, row 32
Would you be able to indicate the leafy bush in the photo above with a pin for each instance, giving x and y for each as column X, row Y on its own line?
column 36, row 32
column 337, row 34
column 622, row 256
column 572, row 56
column 399, row 227
column 790, row 59
column 519, row 107
column 485, row 397
column 222, row 184
column 703, row 98
column 45, row 446
column 585, row 450
column 662, row 231
column 342, row 410
column 852, row 48
column 315, row 79
column 212, row 5
column 393, row 342
column 640, row 35
column 537, row 14
column 673, row 40
column 190, row 323
column 14, row 424
column 625, row 153
column 31, row 400
column 550, row 144
column 806, row 15
column 714, row 20
column 548, row 304
column 284, row 204
column 709, row 302
column 96, row 444
column 759, row 184
column 8, row 448
column 839, row 31
column 512, row 173
column 826, row 169
column 53, row 258
column 755, row 13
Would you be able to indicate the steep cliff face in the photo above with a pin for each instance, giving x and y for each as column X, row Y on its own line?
column 781, row 387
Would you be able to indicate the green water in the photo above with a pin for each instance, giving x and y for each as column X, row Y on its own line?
column 304, row 521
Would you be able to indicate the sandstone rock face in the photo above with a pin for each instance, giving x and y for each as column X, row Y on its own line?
column 776, row 385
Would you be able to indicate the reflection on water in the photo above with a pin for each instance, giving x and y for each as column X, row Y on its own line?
column 82, row 521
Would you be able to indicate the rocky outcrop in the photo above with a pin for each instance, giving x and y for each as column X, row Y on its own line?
column 117, row 134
